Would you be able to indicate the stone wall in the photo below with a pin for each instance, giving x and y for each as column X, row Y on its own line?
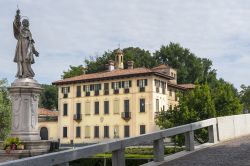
column 230, row 127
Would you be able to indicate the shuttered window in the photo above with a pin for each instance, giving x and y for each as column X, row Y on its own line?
column 142, row 129
column 106, row 131
column 126, row 105
column 65, row 132
column 87, row 108
column 78, row 132
column 96, row 132
column 78, row 91
column 87, row 132
column 96, row 107
column 126, row 131
column 106, row 107
column 142, row 105
column 78, row 108
column 116, row 107
column 65, row 109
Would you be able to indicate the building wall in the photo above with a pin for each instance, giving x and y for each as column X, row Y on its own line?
column 52, row 129
column 138, row 118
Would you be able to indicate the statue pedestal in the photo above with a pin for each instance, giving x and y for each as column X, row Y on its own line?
column 25, row 96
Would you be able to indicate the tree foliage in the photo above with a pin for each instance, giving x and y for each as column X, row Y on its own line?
column 245, row 96
column 5, row 110
column 73, row 71
column 49, row 97
column 190, row 68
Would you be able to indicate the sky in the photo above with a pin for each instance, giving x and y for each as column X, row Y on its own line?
column 67, row 32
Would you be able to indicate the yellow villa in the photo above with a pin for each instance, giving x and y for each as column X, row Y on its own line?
column 115, row 103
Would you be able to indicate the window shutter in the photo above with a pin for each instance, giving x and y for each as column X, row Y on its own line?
column 138, row 82
column 146, row 82
column 91, row 87
column 62, row 89
column 84, row 87
column 113, row 85
column 122, row 84
column 130, row 83
column 100, row 86
column 68, row 89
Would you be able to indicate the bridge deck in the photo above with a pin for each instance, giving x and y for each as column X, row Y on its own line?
column 233, row 153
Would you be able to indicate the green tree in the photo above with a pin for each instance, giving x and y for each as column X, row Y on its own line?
column 141, row 58
column 5, row 110
column 73, row 71
column 245, row 96
column 190, row 68
column 193, row 106
column 49, row 97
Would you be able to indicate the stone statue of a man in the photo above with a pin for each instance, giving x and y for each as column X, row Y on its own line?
column 25, row 47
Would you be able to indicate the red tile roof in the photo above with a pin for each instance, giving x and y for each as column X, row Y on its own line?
column 46, row 112
column 111, row 75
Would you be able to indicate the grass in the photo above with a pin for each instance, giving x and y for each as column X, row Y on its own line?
column 141, row 152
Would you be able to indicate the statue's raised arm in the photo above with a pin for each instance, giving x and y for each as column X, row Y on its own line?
column 17, row 24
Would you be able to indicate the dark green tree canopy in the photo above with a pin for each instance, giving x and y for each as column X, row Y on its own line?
column 73, row 71
column 49, row 97
column 5, row 110
column 245, row 96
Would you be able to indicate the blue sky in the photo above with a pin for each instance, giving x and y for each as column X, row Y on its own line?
column 66, row 32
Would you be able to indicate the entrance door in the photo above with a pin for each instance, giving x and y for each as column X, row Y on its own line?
column 44, row 133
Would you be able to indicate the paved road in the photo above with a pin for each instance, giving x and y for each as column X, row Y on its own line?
column 233, row 153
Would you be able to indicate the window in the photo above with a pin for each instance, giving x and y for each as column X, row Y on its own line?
column 87, row 132
column 78, row 108
column 65, row 91
column 78, row 91
column 106, row 88
column 65, row 109
column 157, row 105
column 97, row 87
column 126, row 84
column 126, row 105
column 87, row 108
column 116, row 85
column 116, row 107
column 106, row 131
column 142, row 105
column 65, row 134
column 142, row 129
column 170, row 92
column 126, row 131
column 116, row 131
column 78, row 132
column 106, row 107
column 96, row 130
column 86, row 88
column 96, row 107
column 142, row 83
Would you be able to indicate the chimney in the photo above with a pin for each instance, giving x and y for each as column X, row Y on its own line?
column 111, row 65
column 130, row 64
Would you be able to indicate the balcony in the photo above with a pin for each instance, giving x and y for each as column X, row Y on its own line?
column 87, row 94
column 116, row 91
column 126, row 115
column 78, row 117
column 106, row 92
column 97, row 93
column 126, row 90
column 142, row 89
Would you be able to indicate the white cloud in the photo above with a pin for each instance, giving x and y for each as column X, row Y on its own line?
column 66, row 32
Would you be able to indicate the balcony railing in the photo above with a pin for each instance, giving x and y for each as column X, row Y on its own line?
column 87, row 94
column 116, row 91
column 126, row 90
column 106, row 92
column 97, row 93
column 142, row 89
column 78, row 117
column 126, row 115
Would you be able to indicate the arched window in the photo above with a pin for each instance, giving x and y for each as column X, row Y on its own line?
column 44, row 133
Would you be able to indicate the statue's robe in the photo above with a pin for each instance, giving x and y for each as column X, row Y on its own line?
column 24, row 51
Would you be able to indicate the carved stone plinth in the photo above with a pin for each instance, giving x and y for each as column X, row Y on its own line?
column 24, row 96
